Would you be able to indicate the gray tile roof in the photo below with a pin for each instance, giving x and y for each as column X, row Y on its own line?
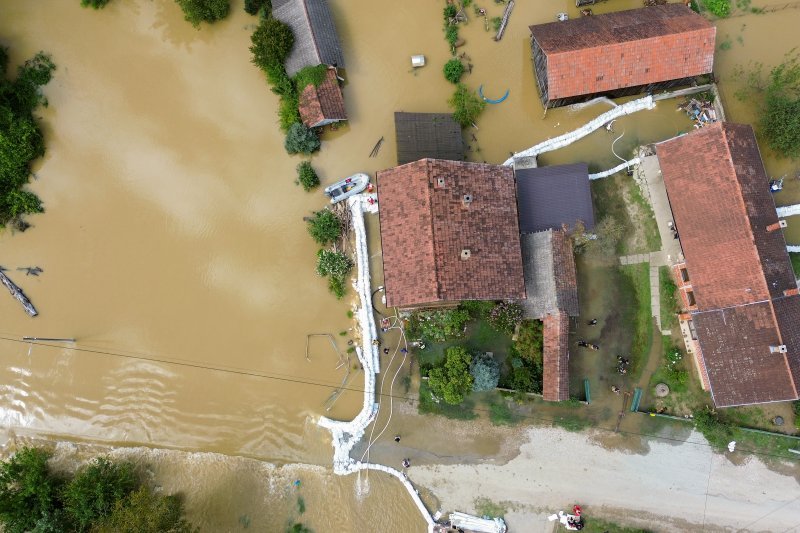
column 427, row 135
column 315, row 38
column 551, row 196
column 549, row 270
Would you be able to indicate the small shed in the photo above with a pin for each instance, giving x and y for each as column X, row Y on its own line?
column 550, row 197
column 427, row 135
column 324, row 104
column 315, row 39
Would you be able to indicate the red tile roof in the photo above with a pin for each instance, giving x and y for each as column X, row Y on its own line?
column 738, row 270
column 323, row 103
column 555, row 377
column 439, row 248
column 624, row 49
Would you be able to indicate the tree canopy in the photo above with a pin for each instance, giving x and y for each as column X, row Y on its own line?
column 94, row 491
column 272, row 42
column 452, row 381
column 21, row 140
column 485, row 371
column 324, row 227
column 301, row 140
column 29, row 492
column 144, row 511
column 197, row 11
column 778, row 92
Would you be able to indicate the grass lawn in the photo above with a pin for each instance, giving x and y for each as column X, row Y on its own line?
column 795, row 264
column 480, row 337
column 635, row 290
column 597, row 525
column 669, row 302
column 619, row 197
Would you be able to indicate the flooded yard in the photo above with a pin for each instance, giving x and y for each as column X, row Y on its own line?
column 174, row 250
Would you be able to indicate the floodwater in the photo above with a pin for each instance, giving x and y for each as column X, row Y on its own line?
column 173, row 245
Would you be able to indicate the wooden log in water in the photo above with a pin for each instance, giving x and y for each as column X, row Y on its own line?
column 506, row 15
column 17, row 293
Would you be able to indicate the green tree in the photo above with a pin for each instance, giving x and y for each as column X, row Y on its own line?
column 301, row 140
column 485, row 372
column 94, row 4
column 719, row 8
column 21, row 140
column 717, row 432
column 29, row 493
column 336, row 266
column 272, row 42
column 324, row 227
column 147, row 512
column 453, row 70
column 777, row 95
column 466, row 106
column 197, row 11
column 452, row 381
column 306, row 176
column 252, row 7
column 95, row 490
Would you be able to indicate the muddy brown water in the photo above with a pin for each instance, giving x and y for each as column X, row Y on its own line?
column 173, row 246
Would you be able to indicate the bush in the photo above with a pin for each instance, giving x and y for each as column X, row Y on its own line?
column 719, row 8
column 496, row 22
column 453, row 70
column 449, row 11
column 147, row 512
column 21, row 140
column 505, row 316
column 336, row 266
column 451, row 35
column 94, row 4
column 439, row 326
column 288, row 114
column 197, row 11
column 466, row 106
column 94, row 491
column 452, row 381
column 271, row 43
column 252, row 7
column 310, row 76
column 477, row 309
column 324, row 227
column 500, row 414
column 717, row 432
column 306, row 176
column 29, row 493
column 301, row 140
column 485, row 371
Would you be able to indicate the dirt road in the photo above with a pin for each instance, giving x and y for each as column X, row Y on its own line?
column 674, row 487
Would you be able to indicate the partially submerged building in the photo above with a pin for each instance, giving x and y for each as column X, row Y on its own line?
column 315, row 43
column 315, row 39
column 449, row 232
column 552, row 201
column 323, row 104
column 737, row 284
column 427, row 135
column 620, row 54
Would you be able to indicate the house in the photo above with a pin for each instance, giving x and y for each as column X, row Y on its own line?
column 449, row 232
column 324, row 104
column 550, row 197
column 620, row 54
column 551, row 285
column 742, row 308
column 315, row 38
column 427, row 135
column 552, row 200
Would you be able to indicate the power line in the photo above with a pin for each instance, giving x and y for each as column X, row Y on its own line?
column 304, row 381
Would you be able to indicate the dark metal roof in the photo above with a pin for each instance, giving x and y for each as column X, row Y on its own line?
column 315, row 39
column 427, row 135
column 550, row 278
column 551, row 196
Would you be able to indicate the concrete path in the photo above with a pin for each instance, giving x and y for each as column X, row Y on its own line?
column 656, row 260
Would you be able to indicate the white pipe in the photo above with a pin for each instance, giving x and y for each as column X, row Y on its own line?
column 788, row 210
column 595, row 124
column 793, row 249
column 621, row 166
column 347, row 434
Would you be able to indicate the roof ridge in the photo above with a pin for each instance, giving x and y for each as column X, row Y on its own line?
column 428, row 186
column 307, row 18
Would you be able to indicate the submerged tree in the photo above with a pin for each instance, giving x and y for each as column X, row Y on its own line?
column 301, row 139
column 324, row 227
column 271, row 43
column 197, row 11
column 778, row 93
column 21, row 140
column 94, row 491
column 307, row 176
column 466, row 106
column 29, row 493
column 94, row 4
column 144, row 511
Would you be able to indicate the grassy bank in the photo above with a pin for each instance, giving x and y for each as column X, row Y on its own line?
column 619, row 198
column 634, row 289
column 427, row 405
column 795, row 264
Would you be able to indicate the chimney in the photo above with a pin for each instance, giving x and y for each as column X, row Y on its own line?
column 466, row 200
column 778, row 349
column 465, row 254
column 778, row 225
column 791, row 292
